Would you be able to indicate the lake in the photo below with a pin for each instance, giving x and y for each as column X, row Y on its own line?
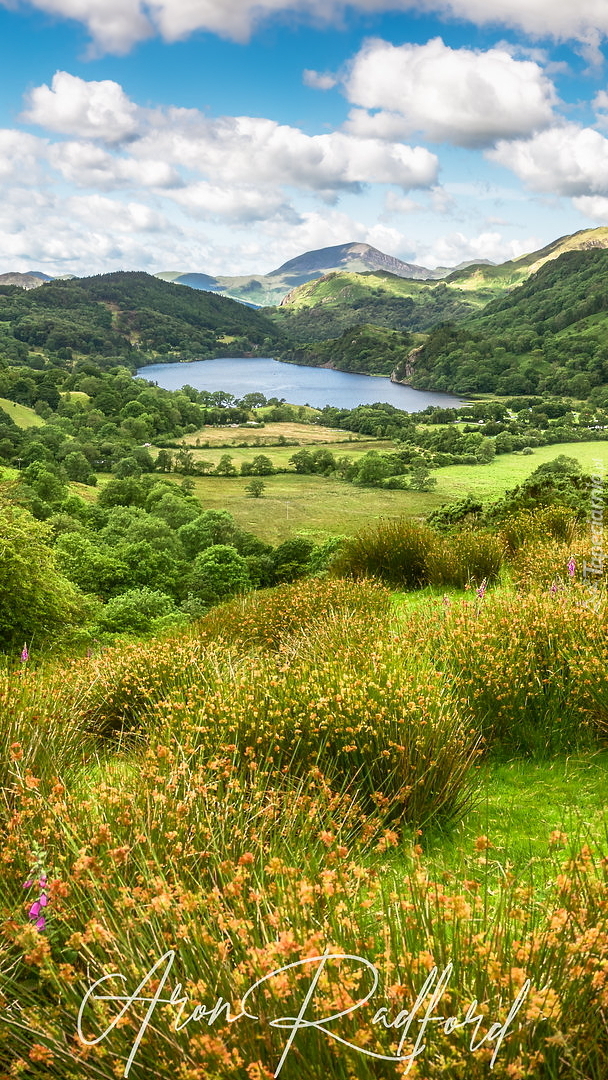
column 296, row 384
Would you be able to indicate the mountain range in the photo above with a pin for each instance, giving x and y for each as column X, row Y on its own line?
column 280, row 286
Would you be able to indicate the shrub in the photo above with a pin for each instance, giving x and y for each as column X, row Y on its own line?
column 394, row 551
column 218, row 573
column 134, row 611
column 464, row 558
column 271, row 617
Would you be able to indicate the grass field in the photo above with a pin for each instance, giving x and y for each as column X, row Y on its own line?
column 280, row 455
column 320, row 506
column 306, row 434
column 23, row 416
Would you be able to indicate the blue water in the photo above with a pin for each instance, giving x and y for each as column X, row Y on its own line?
column 296, row 384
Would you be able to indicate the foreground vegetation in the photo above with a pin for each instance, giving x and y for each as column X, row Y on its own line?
column 312, row 770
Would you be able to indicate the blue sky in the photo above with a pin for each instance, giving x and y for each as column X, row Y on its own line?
column 226, row 136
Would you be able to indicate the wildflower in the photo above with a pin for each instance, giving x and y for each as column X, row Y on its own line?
column 36, row 911
column 25, row 654
column 571, row 567
column 553, row 588
column 481, row 592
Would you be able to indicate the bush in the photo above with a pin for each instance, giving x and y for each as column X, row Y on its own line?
column 218, row 573
column 465, row 558
column 394, row 551
column 135, row 611
column 270, row 618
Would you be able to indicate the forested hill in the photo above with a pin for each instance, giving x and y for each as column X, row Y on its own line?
column 126, row 314
column 325, row 308
column 549, row 334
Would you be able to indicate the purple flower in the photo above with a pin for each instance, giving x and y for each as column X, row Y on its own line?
column 25, row 654
column 553, row 589
column 36, row 910
column 571, row 567
column 481, row 592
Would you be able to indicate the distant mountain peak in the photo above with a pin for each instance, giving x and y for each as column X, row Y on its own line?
column 355, row 256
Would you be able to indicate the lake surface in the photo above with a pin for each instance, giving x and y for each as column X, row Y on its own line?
column 296, row 384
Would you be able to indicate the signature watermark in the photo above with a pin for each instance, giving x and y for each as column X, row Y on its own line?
column 411, row 1023
column 593, row 571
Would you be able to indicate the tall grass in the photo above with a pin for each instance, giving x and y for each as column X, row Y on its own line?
column 289, row 749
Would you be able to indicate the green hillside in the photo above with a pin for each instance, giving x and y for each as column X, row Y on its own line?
column 326, row 307
column 550, row 334
column 512, row 273
column 21, row 415
column 368, row 350
column 125, row 315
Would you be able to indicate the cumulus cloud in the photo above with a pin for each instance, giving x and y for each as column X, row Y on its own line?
column 594, row 207
column 90, row 166
column 116, row 25
column 93, row 110
column 565, row 160
column 237, row 204
column 266, row 152
column 461, row 96
column 99, row 212
column 20, row 155
column 319, row 80
column 455, row 248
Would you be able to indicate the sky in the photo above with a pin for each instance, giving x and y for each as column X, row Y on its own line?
column 228, row 136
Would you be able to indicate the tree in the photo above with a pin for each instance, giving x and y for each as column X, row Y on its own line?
column 209, row 528
column 262, row 466
column 176, row 509
column 255, row 488
column 78, row 469
column 225, row 467
column 218, row 573
column 135, row 611
column 164, row 461
column 127, row 466
column 291, row 559
column 37, row 603
column 421, row 479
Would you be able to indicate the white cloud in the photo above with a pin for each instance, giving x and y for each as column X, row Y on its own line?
column 230, row 148
column 461, row 96
column 87, row 165
column 116, row 25
column 400, row 204
column 594, row 207
column 319, row 80
column 238, row 204
column 99, row 212
column 565, row 160
column 456, row 248
column 88, row 110
column 20, row 155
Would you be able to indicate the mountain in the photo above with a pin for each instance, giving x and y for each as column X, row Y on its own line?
column 268, row 290
column 547, row 334
column 355, row 258
column 127, row 317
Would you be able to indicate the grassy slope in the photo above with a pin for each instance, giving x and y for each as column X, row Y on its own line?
column 320, row 506
column 21, row 414
column 514, row 272
column 341, row 288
